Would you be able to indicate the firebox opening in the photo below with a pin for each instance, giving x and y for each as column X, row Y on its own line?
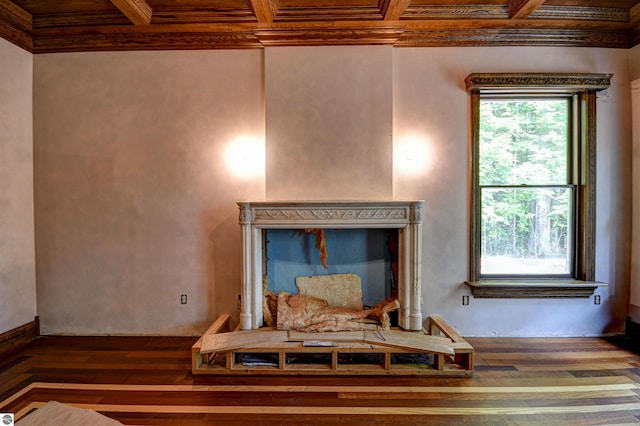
column 371, row 254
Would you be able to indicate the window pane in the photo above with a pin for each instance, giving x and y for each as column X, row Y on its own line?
column 523, row 142
column 526, row 231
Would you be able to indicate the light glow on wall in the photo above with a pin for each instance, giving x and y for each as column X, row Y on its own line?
column 413, row 155
column 245, row 157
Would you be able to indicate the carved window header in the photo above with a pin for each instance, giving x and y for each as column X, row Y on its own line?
column 537, row 82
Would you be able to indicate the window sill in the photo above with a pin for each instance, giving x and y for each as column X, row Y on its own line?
column 533, row 289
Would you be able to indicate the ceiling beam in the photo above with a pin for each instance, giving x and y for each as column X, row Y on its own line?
column 521, row 9
column 395, row 9
column 138, row 11
column 263, row 9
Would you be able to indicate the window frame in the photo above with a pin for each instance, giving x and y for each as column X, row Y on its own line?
column 582, row 88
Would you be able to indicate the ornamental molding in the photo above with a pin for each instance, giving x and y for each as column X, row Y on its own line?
column 330, row 214
column 326, row 214
column 537, row 81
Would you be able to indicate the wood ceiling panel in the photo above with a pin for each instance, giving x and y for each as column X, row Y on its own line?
column 298, row 11
column 501, row 11
column 458, row 2
column 200, row 11
column 581, row 13
column 622, row 4
column 80, row 25
column 198, row 4
column 456, row 11
column 45, row 7
column 85, row 19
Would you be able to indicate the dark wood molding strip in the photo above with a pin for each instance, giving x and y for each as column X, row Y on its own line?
column 329, row 36
column 16, row 25
column 15, row 15
column 533, row 290
column 537, row 81
column 501, row 36
column 147, row 41
column 16, row 36
column 17, row 338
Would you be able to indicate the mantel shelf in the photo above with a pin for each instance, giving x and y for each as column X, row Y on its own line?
column 533, row 288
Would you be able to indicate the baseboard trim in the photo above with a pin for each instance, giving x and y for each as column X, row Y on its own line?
column 17, row 338
column 632, row 330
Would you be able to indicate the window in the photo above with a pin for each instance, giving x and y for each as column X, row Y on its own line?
column 526, row 189
column 533, row 183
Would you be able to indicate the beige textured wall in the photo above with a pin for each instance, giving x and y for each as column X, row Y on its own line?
column 432, row 106
column 329, row 117
column 135, row 206
column 17, row 261
column 135, row 202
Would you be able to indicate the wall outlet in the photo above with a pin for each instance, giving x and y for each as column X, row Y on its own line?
column 183, row 299
column 596, row 299
column 465, row 300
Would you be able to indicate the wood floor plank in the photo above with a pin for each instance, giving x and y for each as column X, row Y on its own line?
column 148, row 381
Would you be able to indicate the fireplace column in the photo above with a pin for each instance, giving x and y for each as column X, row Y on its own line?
column 246, row 317
column 410, row 266
column 415, row 275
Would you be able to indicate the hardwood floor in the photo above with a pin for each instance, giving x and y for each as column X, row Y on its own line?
column 148, row 381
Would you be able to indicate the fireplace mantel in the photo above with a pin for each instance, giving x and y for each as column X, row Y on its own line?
column 406, row 216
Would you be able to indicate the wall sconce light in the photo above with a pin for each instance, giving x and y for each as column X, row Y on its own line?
column 245, row 157
column 412, row 155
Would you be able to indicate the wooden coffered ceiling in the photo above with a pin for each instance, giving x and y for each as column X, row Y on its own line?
column 42, row 26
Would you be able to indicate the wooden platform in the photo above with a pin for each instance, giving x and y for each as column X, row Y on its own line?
column 437, row 351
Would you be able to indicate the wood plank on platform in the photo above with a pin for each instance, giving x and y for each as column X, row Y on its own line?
column 408, row 340
column 198, row 357
column 241, row 339
column 331, row 336
column 393, row 338
column 436, row 321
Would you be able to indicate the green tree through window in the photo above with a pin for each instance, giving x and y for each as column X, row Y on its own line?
column 525, row 194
